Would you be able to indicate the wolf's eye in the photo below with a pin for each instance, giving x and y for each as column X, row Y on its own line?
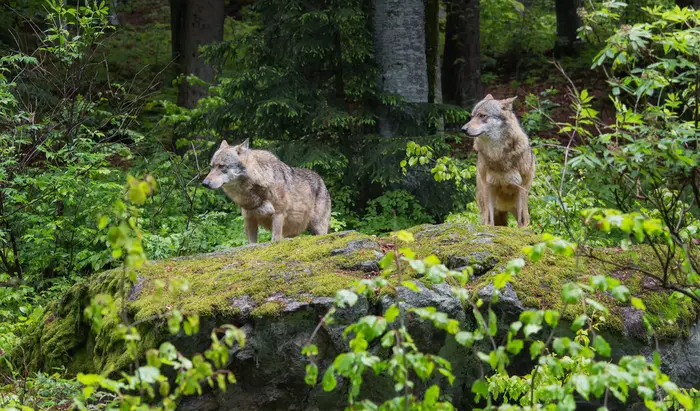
column 483, row 116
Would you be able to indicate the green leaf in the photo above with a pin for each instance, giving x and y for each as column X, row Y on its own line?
column 465, row 338
column 391, row 313
column 328, row 383
column 551, row 317
column 620, row 293
column 311, row 374
column 310, row 350
column 493, row 323
column 431, row 395
column 411, row 286
column 345, row 298
column 638, row 303
column 601, row 346
column 481, row 389
column 531, row 329
column 148, row 374
column 595, row 304
column 387, row 260
column 536, row 349
column 571, row 293
column 500, row 280
column 581, row 384
column 88, row 379
column 515, row 346
column 579, row 322
column 515, row 265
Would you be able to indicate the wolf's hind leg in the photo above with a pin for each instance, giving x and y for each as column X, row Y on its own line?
column 321, row 218
column 277, row 227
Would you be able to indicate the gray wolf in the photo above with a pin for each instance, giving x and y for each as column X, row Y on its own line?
column 505, row 165
column 285, row 200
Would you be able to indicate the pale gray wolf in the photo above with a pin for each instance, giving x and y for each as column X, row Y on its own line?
column 505, row 165
column 285, row 200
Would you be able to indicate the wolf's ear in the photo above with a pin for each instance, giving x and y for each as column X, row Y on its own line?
column 488, row 97
column 507, row 104
column 243, row 147
column 224, row 144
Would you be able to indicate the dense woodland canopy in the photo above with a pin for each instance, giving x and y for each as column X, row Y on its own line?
column 111, row 110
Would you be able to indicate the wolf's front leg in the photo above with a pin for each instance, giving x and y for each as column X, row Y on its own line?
column 277, row 227
column 250, row 225
column 483, row 199
column 523, row 214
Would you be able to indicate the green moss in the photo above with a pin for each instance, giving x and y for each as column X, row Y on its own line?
column 271, row 275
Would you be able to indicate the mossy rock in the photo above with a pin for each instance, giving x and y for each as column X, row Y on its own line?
column 266, row 281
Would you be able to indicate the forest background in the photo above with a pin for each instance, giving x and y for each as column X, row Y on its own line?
column 371, row 95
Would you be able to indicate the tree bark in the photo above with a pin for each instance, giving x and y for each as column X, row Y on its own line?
column 399, row 44
column 567, row 23
column 200, row 22
column 432, row 49
column 461, row 68
column 689, row 3
column 177, row 14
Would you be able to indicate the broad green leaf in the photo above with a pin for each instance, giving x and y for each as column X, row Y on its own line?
column 601, row 346
column 328, row 383
column 391, row 313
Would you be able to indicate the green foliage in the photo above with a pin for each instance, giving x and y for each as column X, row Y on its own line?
column 563, row 368
column 392, row 210
column 538, row 118
column 40, row 391
column 301, row 74
column 149, row 383
column 515, row 36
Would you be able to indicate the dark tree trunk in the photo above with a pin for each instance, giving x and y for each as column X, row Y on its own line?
column 461, row 68
column 432, row 49
column 177, row 17
column 200, row 22
column 689, row 3
column 567, row 24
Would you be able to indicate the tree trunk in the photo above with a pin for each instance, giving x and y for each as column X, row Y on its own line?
column 201, row 23
column 567, row 23
column 177, row 15
column 432, row 49
column 461, row 68
column 689, row 3
column 399, row 44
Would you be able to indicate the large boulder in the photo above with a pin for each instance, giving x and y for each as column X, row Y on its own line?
column 278, row 293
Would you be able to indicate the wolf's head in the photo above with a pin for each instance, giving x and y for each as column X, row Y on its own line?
column 227, row 165
column 490, row 118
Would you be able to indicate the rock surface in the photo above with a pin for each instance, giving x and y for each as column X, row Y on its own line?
column 278, row 293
